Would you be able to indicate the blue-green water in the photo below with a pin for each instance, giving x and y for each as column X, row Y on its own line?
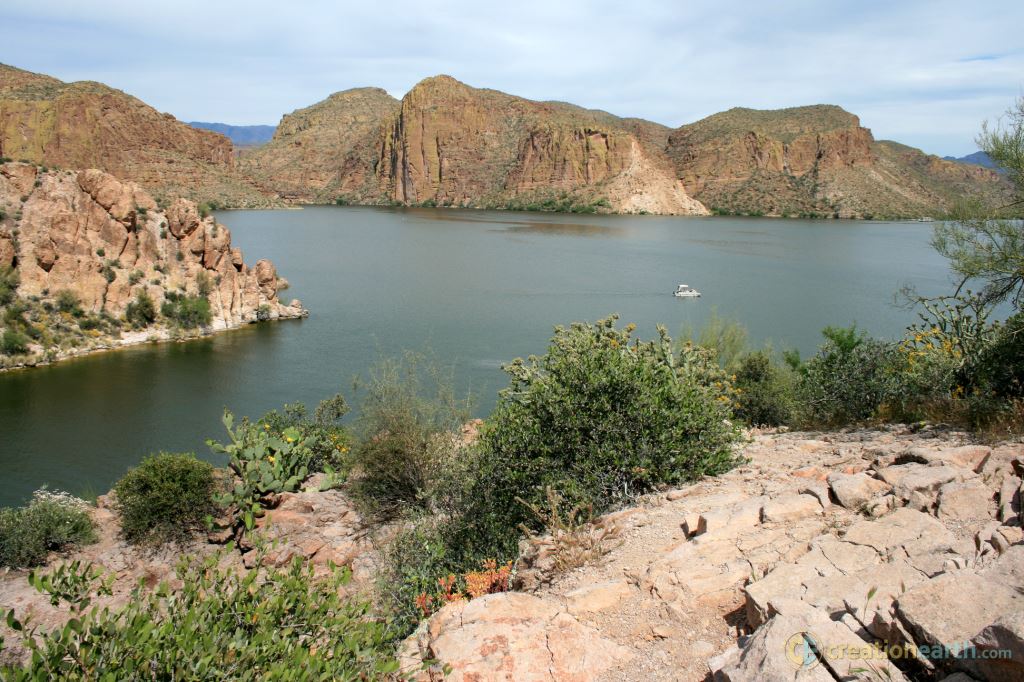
column 477, row 288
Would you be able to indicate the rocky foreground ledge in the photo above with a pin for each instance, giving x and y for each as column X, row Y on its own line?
column 798, row 565
column 868, row 538
column 107, row 241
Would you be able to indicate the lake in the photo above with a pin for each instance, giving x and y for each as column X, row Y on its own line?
column 476, row 288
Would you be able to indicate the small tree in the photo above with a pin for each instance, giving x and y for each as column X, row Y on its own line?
column 141, row 312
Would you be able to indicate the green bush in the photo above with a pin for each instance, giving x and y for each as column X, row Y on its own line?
column 50, row 521
column 849, row 378
column 1001, row 365
column 8, row 285
column 165, row 498
column 600, row 418
column 14, row 342
column 141, row 312
column 405, row 432
column 764, row 391
column 327, row 440
column 223, row 623
column 187, row 312
column 67, row 302
column 727, row 338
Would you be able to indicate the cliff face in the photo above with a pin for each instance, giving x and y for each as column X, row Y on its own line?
column 325, row 151
column 107, row 241
column 89, row 125
column 455, row 145
column 815, row 160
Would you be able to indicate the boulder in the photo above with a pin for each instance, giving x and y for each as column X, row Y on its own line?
column 1006, row 636
column 790, row 508
column 965, row 501
column 511, row 636
column 913, row 531
column 854, row 491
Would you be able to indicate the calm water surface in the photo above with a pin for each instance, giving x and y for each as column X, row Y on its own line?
column 477, row 288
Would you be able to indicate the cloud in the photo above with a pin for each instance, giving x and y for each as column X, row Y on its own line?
column 925, row 72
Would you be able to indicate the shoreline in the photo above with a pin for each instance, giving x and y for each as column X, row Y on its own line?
column 132, row 339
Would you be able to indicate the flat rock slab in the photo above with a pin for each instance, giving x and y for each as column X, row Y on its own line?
column 790, row 508
column 511, row 636
column 965, row 501
column 914, row 531
column 854, row 491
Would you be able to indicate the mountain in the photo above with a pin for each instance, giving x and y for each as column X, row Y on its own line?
column 107, row 242
column 327, row 150
column 90, row 125
column 449, row 144
column 816, row 161
column 977, row 158
column 240, row 136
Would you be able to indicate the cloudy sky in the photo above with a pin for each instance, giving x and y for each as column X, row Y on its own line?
column 924, row 72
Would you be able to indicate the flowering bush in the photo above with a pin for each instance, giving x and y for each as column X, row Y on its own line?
column 52, row 520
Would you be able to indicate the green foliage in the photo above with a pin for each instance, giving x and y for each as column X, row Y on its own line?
column 135, row 277
column 849, row 378
column 1001, row 365
column 8, row 285
column 327, row 440
column 405, row 430
column 67, row 302
column 187, row 312
column 14, row 342
column 141, row 312
column 726, row 338
column 765, row 391
column 600, row 418
column 263, row 462
column 204, row 285
column 165, row 498
column 50, row 521
column 222, row 624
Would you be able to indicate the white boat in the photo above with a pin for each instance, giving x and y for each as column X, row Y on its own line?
column 685, row 291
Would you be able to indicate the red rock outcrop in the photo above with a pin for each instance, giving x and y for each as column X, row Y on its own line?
column 90, row 125
column 107, row 241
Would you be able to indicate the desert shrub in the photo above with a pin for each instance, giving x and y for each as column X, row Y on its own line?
column 165, row 498
column 849, row 378
column 141, row 312
column 764, row 391
column 187, row 312
column 405, row 433
column 327, row 440
column 1001, row 364
column 8, row 285
column 14, row 342
column 571, row 536
column 726, row 338
column 600, row 418
column 223, row 623
column 67, row 302
column 50, row 521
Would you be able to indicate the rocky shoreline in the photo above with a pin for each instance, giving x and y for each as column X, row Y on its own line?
column 891, row 539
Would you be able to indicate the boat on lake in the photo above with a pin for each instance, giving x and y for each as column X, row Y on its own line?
column 686, row 291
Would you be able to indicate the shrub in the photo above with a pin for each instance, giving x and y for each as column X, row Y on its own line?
column 1001, row 365
column 50, row 521
column 600, row 419
column 764, row 391
column 328, row 442
column 141, row 312
column 135, row 277
column 727, row 338
column 8, row 285
column 165, row 498
column 67, row 302
column 187, row 312
column 406, row 433
column 223, row 623
column 14, row 342
column 849, row 378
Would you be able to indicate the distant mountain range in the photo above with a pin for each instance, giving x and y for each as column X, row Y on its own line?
column 241, row 136
column 449, row 144
column 977, row 158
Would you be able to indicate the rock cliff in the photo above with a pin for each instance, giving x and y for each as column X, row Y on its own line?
column 325, row 151
column 90, row 125
column 817, row 161
column 107, row 241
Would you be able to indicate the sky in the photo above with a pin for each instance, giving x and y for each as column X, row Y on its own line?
column 923, row 72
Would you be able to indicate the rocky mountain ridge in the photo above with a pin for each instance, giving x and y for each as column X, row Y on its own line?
column 108, row 241
column 90, row 125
